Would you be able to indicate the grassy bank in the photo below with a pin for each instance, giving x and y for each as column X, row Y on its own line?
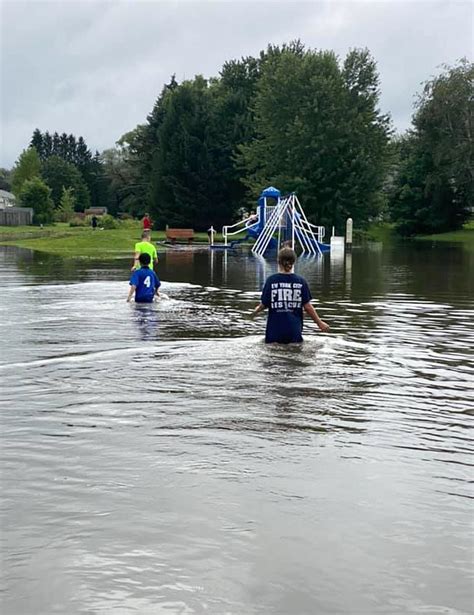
column 80, row 242
column 465, row 235
column 83, row 242
column 385, row 232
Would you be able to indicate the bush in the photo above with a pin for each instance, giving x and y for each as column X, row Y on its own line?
column 79, row 222
column 129, row 223
column 108, row 222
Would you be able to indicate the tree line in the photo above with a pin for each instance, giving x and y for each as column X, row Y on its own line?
column 300, row 119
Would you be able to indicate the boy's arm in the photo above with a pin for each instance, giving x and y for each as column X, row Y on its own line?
column 131, row 292
column 309, row 309
column 260, row 307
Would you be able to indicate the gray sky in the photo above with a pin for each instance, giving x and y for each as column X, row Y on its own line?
column 95, row 68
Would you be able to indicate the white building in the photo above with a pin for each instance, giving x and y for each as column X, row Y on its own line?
column 7, row 199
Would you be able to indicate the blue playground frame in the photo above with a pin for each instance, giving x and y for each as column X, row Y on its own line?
column 284, row 223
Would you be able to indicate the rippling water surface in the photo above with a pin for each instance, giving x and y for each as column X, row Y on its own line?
column 163, row 459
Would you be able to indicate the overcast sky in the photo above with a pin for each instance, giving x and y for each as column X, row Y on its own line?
column 95, row 68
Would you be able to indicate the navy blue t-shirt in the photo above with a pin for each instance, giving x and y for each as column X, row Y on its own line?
column 284, row 294
column 146, row 282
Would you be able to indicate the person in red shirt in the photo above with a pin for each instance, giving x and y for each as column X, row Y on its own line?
column 147, row 223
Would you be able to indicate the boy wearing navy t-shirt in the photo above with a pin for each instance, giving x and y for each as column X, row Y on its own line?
column 144, row 282
column 286, row 295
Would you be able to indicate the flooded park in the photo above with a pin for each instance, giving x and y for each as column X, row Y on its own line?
column 163, row 459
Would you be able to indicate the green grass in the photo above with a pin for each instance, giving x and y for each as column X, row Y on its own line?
column 83, row 242
column 385, row 232
column 80, row 242
column 465, row 235
column 380, row 231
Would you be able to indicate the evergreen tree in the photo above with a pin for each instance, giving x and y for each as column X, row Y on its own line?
column 75, row 152
column 72, row 147
column 55, row 149
column 139, row 151
column 83, row 154
column 233, row 95
column 64, row 147
column 36, row 194
column 47, row 146
column 65, row 209
column 188, row 187
column 26, row 167
column 37, row 143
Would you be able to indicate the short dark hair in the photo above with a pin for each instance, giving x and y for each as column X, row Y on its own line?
column 145, row 259
column 286, row 258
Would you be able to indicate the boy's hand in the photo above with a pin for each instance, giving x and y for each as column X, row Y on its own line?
column 324, row 326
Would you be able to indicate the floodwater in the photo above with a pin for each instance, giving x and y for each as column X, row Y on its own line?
column 163, row 460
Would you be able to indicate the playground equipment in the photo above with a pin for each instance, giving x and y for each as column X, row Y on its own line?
column 274, row 225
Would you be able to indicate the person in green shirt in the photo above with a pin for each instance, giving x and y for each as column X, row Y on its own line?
column 145, row 246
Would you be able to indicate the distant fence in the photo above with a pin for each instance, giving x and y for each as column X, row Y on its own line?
column 16, row 216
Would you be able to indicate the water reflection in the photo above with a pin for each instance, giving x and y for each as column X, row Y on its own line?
column 162, row 458
column 147, row 319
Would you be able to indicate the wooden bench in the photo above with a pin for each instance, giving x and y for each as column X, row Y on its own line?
column 173, row 234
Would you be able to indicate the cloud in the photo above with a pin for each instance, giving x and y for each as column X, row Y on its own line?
column 94, row 68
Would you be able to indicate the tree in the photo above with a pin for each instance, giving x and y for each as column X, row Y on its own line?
column 292, row 117
column 55, row 149
column 36, row 194
column 47, row 146
column 125, row 186
column 434, row 189
column 65, row 209
column 5, row 180
column 233, row 94
column 188, row 185
column 75, row 152
column 319, row 132
column 71, row 148
column 37, row 143
column 64, row 152
column 59, row 174
column 98, row 184
column 26, row 167
column 83, row 154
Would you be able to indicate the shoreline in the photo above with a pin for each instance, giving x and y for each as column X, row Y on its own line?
column 83, row 242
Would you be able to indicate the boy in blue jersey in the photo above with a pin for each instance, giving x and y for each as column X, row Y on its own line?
column 286, row 295
column 144, row 282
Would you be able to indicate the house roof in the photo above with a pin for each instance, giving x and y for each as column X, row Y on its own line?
column 7, row 195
